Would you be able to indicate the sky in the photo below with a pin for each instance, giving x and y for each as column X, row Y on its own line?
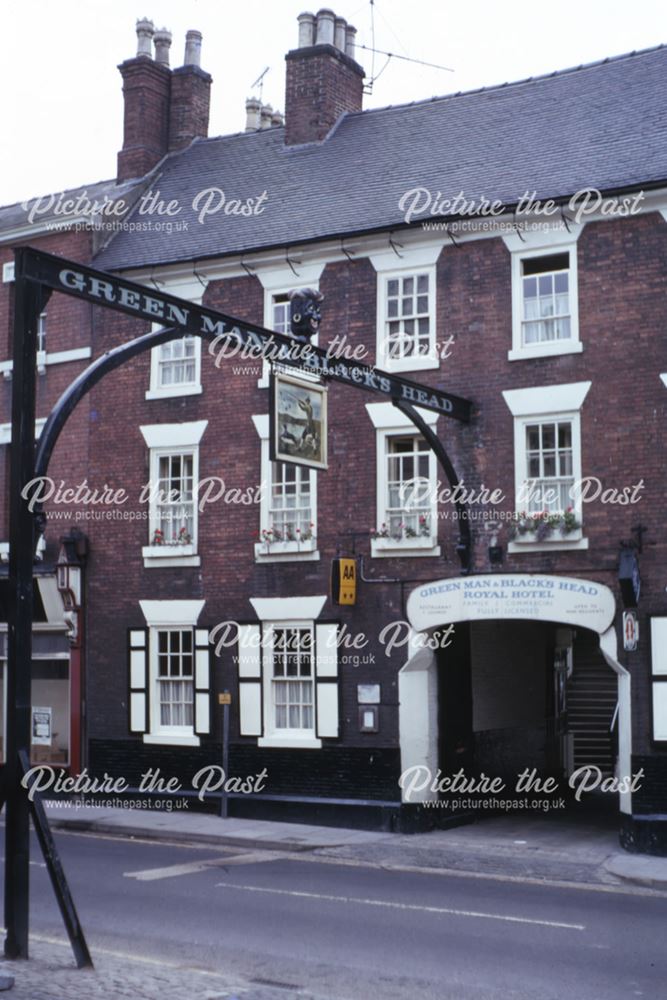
column 62, row 106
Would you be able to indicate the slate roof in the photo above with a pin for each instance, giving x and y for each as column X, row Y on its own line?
column 44, row 207
column 603, row 125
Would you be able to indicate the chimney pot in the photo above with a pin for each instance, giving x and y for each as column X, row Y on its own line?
column 306, row 29
column 325, row 27
column 265, row 116
column 340, row 24
column 252, row 113
column 277, row 119
column 145, row 31
column 350, row 41
column 192, row 48
column 162, row 40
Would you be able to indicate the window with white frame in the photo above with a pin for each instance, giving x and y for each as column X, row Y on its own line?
column 171, row 493
column 545, row 299
column 173, row 514
column 291, row 667
column 277, row 318
column 547, row 465
column 407, row 486
column 280, row 313
column 408, row 307
column 545, row 312
column 175, row 368
column 406, row 335
column 41, row 332
column 288, row 674
column 175, row 678
column 170, row 674
column 288, row 506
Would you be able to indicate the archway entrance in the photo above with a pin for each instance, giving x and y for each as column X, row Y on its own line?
column 514, row 673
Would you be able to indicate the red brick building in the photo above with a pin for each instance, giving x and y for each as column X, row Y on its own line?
column 414, row 224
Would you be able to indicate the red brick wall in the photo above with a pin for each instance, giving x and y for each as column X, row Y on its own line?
column 322, row 83
column 189, row 108
column 623, row 312
column 68, row 326
column 146, row 90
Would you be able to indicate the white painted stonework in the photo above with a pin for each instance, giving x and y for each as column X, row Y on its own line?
column 535, row 597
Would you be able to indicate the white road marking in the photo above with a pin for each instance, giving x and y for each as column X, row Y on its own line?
column 192, row 867
column 403, row 906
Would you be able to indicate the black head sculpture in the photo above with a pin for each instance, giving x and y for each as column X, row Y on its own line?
column 305, row 313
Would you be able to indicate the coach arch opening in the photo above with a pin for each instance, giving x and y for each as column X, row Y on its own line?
column 509, row 672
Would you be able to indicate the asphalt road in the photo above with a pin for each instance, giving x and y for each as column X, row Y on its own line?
column 356, row 931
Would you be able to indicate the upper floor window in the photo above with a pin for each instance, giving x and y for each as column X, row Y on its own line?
column 407, row 487
column 171, row 493
column 288, row 506
column 290, row 509
column 277, row 317
column 546, row 299
column 280, row 315
column 176, row 368
column 407, row 306
column 41, row 332
column 174, row 508
column 547, row 466
column 545, row 311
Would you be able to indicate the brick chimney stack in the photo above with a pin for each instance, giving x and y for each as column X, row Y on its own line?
column 146, row 89
column 323, row 79
column 190, row 97
column 164, row 109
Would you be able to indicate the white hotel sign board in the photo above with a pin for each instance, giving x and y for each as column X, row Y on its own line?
column 526, row 597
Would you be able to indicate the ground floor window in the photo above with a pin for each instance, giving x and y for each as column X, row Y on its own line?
column 175, row 681
column 50, row 715
column 292, row 683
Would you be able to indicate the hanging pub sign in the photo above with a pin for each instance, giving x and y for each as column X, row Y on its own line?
column 344, row 580
column 298, row 421
column 630, row 631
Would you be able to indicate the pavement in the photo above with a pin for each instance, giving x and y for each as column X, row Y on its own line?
column 577, row 846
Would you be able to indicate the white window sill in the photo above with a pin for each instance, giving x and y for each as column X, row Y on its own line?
column 171, row 740
column 546, row 350
column 574, row 542
column 386, row 548
column 173, row 392
column 290, row 742
column 170, row 555
column 413, row 364
column 285, row 551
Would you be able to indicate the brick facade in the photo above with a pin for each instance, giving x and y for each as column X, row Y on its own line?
column 322, row 84
column 621, row 266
